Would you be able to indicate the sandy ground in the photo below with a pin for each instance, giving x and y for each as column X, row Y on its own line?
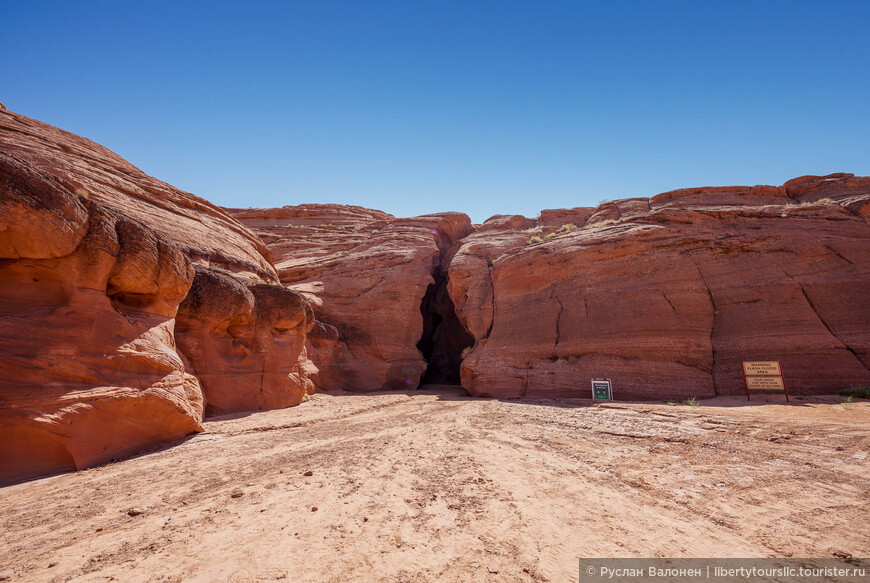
column 435, row 486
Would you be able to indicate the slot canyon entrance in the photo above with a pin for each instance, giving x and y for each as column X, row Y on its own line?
column 444, row 337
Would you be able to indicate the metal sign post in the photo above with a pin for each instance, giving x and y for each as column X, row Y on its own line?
column 602, row 390
column 764, row 376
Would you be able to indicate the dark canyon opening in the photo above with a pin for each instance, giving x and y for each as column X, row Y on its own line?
column 444, row 337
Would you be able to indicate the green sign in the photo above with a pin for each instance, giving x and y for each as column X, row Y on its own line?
column 601, row 390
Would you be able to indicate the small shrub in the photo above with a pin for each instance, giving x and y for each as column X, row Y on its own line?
column 671, row 403
column 822, row 201
column 572, row 359
column 465, row 352
column 693, row 402
column 534, row 240
column 567, row 227
column 550, row 235
column 860, row 392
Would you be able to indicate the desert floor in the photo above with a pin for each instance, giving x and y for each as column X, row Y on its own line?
column 436, row 486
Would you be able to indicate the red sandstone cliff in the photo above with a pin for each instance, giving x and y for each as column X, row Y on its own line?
column 128, row 308
column 95, row 260
column 664, row 295
column 366, row 272
column 203, row 231
column 667, row 295
column 89, row 371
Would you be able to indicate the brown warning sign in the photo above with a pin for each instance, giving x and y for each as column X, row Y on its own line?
column 764, row 375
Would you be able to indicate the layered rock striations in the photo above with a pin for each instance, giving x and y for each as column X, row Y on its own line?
column 666, row 296
column 367, row 273
column 95, row 260
column 89, row 369
column 204, row 232
column 130, row 309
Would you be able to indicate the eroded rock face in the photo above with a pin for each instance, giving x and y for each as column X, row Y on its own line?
column 666, row 296
column 95, row 257
column 89, row 371
column 366, row 272
column 246, row 344
column 203, row 231
column 663, row 295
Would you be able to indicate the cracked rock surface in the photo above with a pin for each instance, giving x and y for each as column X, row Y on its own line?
column 666, row 296
column 366, row 273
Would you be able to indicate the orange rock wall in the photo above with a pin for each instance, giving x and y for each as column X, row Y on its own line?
column 366, row 273
column 246, row 343
column 95, row 259
column 129, row 309
column 666, row 296
column 89, row 370
column 204, row 232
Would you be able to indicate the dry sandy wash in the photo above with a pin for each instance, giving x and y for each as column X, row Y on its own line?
column 435, row 486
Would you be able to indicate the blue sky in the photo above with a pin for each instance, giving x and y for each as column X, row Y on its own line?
column 481, row 107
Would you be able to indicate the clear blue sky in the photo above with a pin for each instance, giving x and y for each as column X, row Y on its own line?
column 416, row 107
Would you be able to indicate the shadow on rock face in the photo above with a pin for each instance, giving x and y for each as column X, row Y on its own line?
column 335, row 364
column 246, row 344
column 89, row 371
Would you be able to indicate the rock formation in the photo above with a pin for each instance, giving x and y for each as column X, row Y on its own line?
column 129, row 308
column 666, row 296
column 366, row 272
column 88, row 366
column 204, row 232
column 246, row 343
column 95, row 258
